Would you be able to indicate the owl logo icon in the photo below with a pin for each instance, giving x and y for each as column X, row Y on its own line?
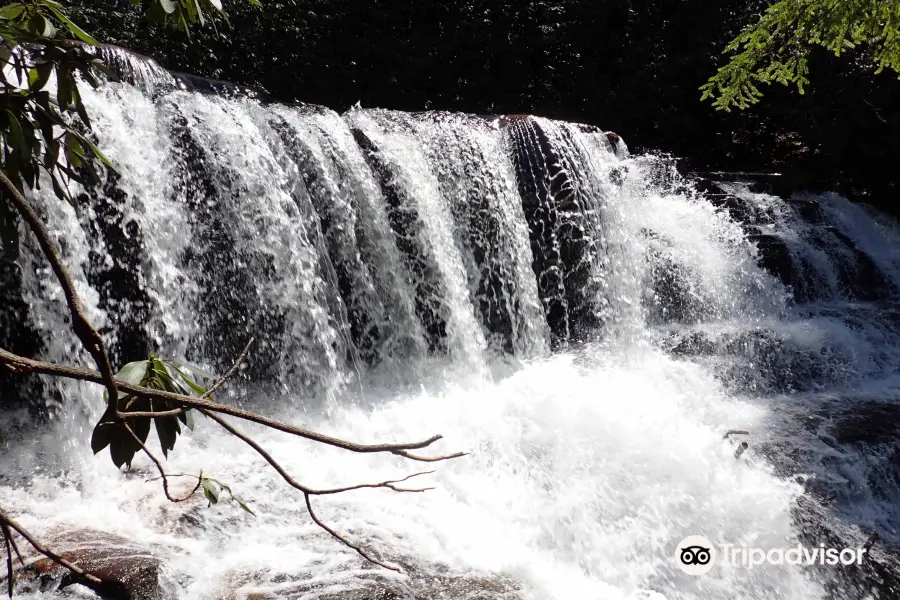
column 695, row 555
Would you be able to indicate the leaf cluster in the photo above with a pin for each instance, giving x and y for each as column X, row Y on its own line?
column 45, row 130
column 184, row 13
column 156, row 374
column 213, row 488
column 42, row 129
column 776, row 48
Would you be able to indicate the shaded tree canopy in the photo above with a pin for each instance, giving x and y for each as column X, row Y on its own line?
column 776, row 49
column 633, row 67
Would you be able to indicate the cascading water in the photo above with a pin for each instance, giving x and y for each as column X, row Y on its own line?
column 408, row 274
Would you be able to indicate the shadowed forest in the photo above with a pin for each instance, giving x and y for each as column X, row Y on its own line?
column 632, row 66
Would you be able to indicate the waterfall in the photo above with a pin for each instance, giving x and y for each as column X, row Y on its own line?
column 585, row 323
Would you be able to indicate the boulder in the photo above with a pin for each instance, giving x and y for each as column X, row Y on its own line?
column 128, row 571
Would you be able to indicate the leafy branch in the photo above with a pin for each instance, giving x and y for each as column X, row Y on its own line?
column 776, row 48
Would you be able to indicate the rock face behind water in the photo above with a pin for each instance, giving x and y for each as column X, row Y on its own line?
column 128, row 571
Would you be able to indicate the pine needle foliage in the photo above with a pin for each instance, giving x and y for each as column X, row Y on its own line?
column 776, row 48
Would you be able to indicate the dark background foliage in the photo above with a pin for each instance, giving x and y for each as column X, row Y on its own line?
column 631, row 66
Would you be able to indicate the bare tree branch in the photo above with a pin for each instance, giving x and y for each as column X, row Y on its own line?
column 207, row 394
column 287, row 477
column 80, row 573
column 9, row 561
column 308, row 492
column 21, row 364
column 344, row 540
column 89, row 336
column 12, row 542
column 159, row 466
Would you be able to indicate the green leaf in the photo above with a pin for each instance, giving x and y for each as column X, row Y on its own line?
column 255, row 3
column 122, row 447
column 211, row 490
column 167, row 5
column 63, row 194
column 194, row 371
column 79, row 108
column 195, row 11
column 12, row 11
column 196, row 389
column 74, row 151
column 102, row 435
column 183, row 23
column 189, row 419
column 38, row 76
column 5, row 55
column 16, row 138
column 99, row 154
column 167, row 431
column 169, row 375
column 133, row 372
column 243, row 505
column 41, row 26
column 77, row 31
column 64, row 85
column 141, row 426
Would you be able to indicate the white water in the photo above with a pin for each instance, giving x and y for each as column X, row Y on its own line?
column 585, row 468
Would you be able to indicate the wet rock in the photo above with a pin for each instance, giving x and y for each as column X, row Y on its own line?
column 19, row 335
column 774, row 257
column 420, row 581
column 858, row 273
column 408, row 225
column 128, row 571
column 695, row 343
column 877, row 577
column 563, row 229
column 115, row 270
column 674, row 298
column 809, row 210
column 872, row 423
column 225, row 265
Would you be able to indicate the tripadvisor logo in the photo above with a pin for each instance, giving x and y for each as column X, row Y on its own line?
column 696, row 555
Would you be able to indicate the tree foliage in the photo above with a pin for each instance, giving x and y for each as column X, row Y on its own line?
column 155, row 374
column 44, row 126
column 776, row 48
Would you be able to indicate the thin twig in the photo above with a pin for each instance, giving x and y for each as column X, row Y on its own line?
column 82, row 327
column 15, row 548
column 731, row 432
column 26, row 365
column 146, row 414
column 9, row 561
column 427, row 459
column 170, row 475
column 237, row 363
column 4, row 518
column 307, row 491
column 344, row 540
column 159, row 466
column 285, row 475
